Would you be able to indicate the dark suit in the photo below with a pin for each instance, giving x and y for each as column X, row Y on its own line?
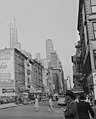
column 71, row 110
column 84, row 109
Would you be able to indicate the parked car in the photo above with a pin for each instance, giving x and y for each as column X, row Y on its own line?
column 1, row 101
column 61, row 100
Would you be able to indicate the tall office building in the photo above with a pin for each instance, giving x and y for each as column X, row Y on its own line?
column 44, row 62
column 14, row 37
column 38, row 56
column 54, row 62
column 49, row 48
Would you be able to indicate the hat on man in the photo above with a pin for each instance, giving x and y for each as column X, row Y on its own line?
column 82, row 96
column 69, row 93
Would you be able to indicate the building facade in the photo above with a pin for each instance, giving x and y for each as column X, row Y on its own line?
column 55, row 70
column 54, row 60
column 77, row 67
column 44, row 62
column 12, row 72
column 87, row 32
column 18, row 73
column 28, row 73
column 37, row 76
column 38, row 57
column 7, row 73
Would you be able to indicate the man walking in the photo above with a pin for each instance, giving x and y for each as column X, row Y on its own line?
column 71, row 108
column 84, row 108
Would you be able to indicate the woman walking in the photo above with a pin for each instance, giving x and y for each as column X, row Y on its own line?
column 50, row 105
column 36, row 104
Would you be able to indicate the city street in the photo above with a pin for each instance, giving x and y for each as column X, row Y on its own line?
column 28, row 112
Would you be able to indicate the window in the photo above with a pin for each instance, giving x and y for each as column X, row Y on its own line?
column 95, row 34
column 94, row 29
column 94, row 53
column 93, row 9
column 93, row 2
column 17, row 66
column 93, row 6
column 28, row 81
column 17, row 76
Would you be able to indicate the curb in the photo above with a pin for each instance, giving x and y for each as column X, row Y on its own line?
column 7, row 107
column 15, row 105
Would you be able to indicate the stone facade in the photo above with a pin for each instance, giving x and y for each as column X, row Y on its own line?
column 87, row 33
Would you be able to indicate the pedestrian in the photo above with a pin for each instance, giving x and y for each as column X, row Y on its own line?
column 94, row 109
column 50, row 104
column 36, row 104
column 84, row 108
column 70, row 112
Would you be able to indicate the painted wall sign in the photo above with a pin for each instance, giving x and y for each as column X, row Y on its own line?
column 6, row 68
column 4, row 55
column 11, row 90
column 3, row 66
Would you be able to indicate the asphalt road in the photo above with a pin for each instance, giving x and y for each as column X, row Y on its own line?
column 28, row 112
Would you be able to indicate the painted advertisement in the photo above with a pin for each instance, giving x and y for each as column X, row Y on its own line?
column 6, row 68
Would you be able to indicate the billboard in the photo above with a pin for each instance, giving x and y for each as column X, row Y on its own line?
column 6, row 68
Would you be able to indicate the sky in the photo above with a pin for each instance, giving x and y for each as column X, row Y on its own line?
column 39, row 20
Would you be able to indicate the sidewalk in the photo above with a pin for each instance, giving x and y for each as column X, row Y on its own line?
column 8, row 105
column 4, row 106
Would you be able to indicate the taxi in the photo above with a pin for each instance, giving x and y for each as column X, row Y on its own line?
column 61, row 100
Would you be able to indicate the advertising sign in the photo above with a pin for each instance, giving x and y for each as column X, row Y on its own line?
column 6, row 68
column 10, row 90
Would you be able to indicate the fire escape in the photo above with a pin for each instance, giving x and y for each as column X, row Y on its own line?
column 77, row 60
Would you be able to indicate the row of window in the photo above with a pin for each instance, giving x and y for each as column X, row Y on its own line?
column 19, row 59
column 19, row 67
column 20, row 71
column 20, row 78
column 94, row 29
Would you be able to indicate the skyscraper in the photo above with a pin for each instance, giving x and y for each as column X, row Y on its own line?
column 49, row 48
column 38, row 56
column 54, row 59
column 14, row 37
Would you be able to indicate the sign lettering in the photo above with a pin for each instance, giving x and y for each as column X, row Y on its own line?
column 8, row 90
column 3, row 66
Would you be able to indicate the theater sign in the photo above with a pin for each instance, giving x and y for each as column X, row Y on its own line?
column 7, row 82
